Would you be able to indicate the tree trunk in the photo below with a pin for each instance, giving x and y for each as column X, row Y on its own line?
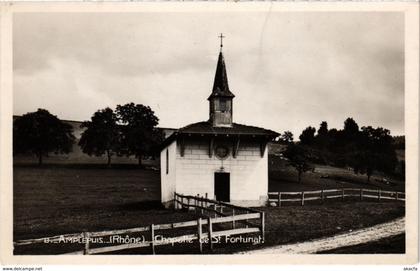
column 369, row 173
column 109, row 158
column 299, row 176
column 139, row 158
column 40, row 159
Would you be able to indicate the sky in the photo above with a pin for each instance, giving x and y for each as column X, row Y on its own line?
column 288, row 70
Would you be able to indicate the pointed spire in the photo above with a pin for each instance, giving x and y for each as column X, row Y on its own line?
column 221, row 85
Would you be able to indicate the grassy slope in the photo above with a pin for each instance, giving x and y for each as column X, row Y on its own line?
column 284, row 178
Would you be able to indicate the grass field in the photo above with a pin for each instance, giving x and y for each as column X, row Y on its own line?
column 59, row 199
column 67, row 198
column 291, row 224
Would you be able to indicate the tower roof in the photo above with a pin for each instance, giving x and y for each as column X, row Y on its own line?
column 220, row 85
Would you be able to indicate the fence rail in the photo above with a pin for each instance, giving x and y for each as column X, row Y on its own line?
column 235, row 216
column 279, row 197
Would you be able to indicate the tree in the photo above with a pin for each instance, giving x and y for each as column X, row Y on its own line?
column 139, row 133
column 102, row 134
column 308, row 136
column 298, row 158
column 351, row 129
column 323, row 129
column 322, row 135
column 364, row 162
column 399, row 142
column 375, row 151
column 286, row 137
column 41, row 133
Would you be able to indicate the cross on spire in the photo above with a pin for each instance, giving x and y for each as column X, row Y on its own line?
column 221, row 40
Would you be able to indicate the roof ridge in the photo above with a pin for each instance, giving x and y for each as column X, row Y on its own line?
column 237, row 128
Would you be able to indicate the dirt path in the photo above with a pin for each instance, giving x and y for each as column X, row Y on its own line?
column 365, row 235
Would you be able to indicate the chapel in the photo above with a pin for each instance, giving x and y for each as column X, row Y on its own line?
column 219, row 158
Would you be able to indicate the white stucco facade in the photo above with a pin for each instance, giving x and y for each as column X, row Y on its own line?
column 194, row 172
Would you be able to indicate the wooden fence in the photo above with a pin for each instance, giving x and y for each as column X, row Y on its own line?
column 279, row 197
column 239, row 221
column 238, row 216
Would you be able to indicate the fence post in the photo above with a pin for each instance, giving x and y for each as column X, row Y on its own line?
column 233, row 218
column 396, row 195
column 202, row 205
column 279, row 199
column 196, row 203
column 215, row 209
column 262, row 217
column 342, row 194
column 246, row 220
column 322, row 195
column 361, row 194
column 210, row 233
column 200, row 234
column 174, row 200
column 152, row 237
column 303, row 198
column 379, row 194
column 86, row 237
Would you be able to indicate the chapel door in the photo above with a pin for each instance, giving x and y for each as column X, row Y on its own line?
column 222, row 186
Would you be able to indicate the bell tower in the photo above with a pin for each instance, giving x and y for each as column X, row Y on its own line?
column 221, row 99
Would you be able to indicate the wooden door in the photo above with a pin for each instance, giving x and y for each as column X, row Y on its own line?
column 222, row 186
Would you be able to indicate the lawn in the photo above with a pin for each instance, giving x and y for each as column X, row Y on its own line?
column 62, row 199
column 292, row 224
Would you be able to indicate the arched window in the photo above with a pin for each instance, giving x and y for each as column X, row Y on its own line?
column 223, row 106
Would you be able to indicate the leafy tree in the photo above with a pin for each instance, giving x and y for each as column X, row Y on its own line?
column 41, row 133
column 375, row 151
column 399, row 142
column 322, row 135
column 323, row 129
column 286, row 137
column 139, row 134
column 400, row 169
column 298, row 158
column 351, row 129
column 308, row 136
column 333, row 135
column 102, row 134
column 364, row 162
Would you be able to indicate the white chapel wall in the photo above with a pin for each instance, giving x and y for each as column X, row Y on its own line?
column 168, row 179
column 248, row 172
